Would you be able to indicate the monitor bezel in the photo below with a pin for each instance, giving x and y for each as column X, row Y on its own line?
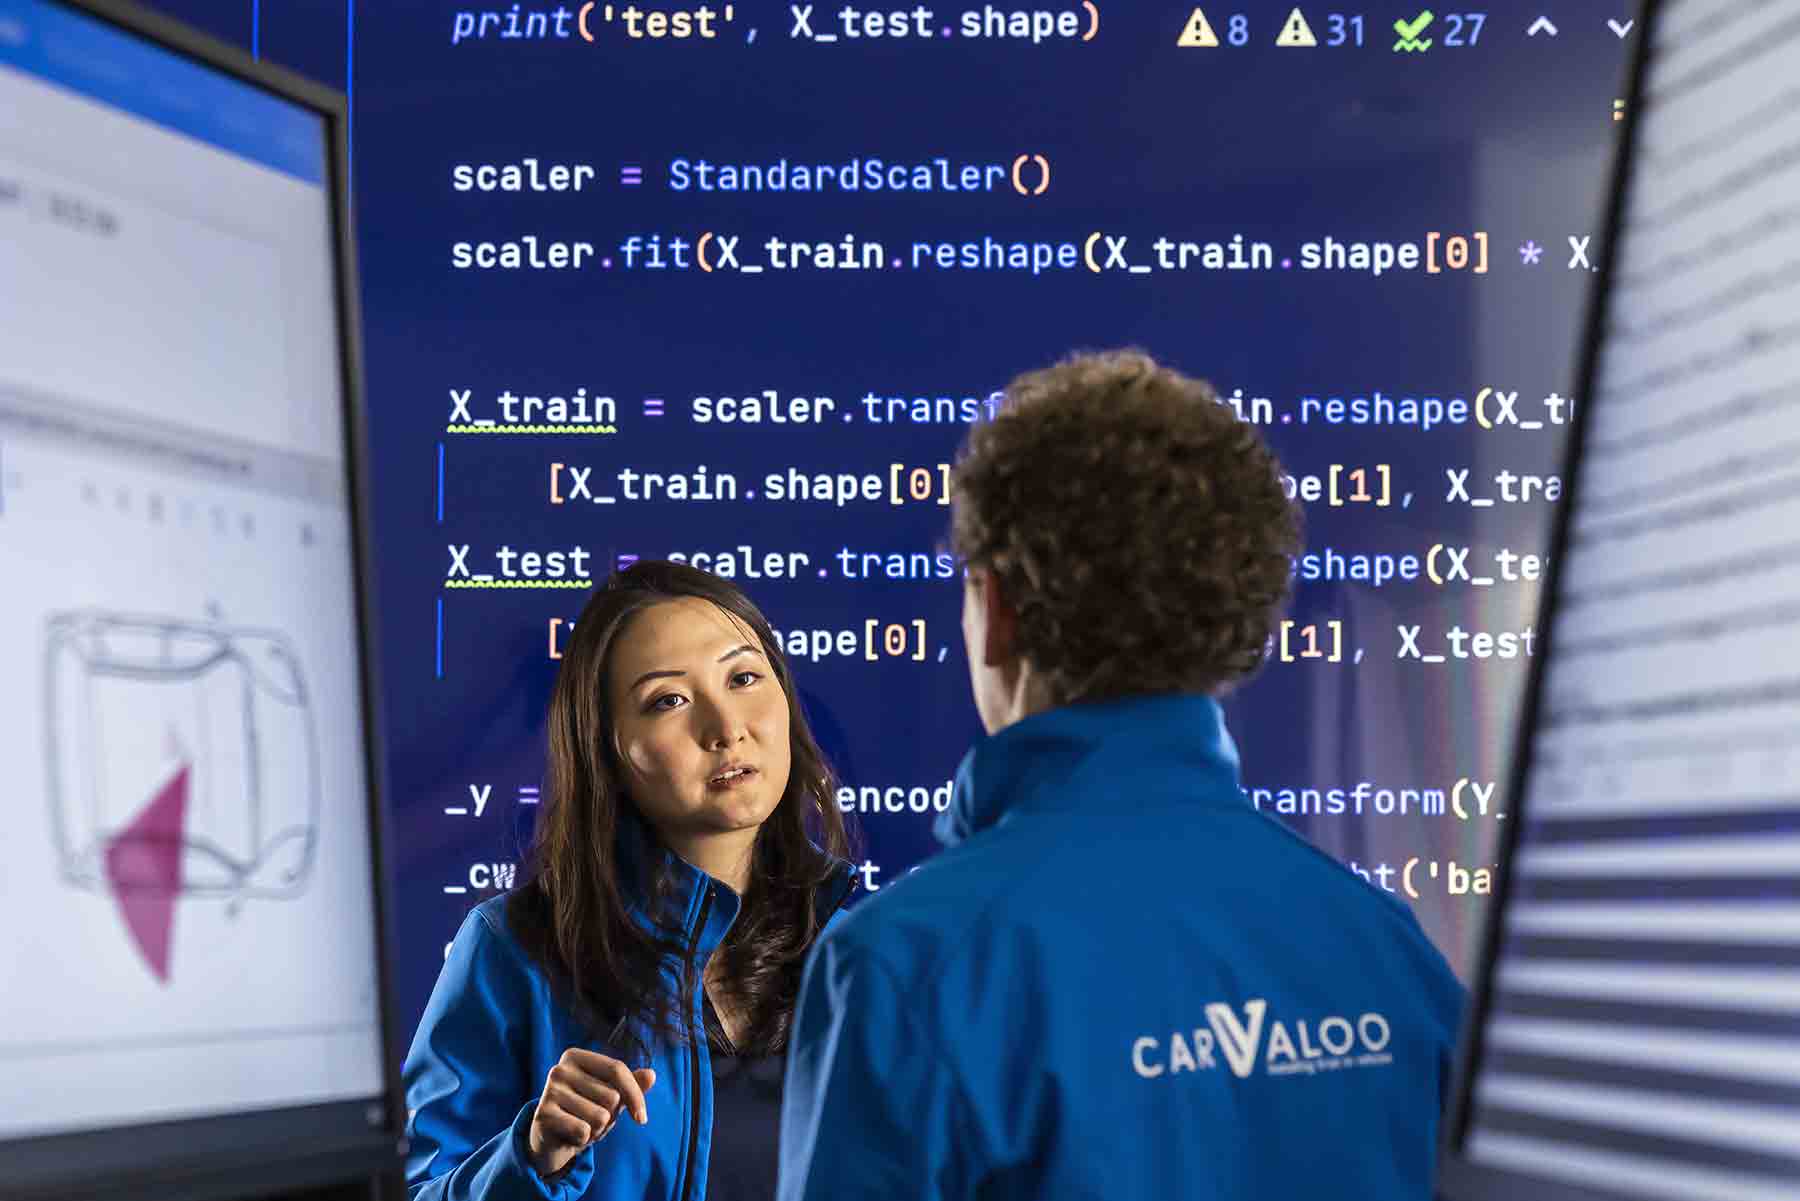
column 278, row 1166
column 1459, row 1179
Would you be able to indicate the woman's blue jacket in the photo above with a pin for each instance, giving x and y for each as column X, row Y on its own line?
column 492, row 1031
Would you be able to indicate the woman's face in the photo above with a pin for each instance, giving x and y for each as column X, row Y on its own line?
column 693, row 696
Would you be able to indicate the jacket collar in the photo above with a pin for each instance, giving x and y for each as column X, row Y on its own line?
column 696, row 892
column 1113, row 756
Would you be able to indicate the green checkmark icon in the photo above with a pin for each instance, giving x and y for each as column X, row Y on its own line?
column 1409, row 32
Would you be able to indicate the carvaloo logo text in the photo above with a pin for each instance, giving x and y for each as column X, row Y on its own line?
column 1252, row 1042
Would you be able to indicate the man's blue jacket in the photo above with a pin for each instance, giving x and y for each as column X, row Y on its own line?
column 494, row 1028
column 1119, row 981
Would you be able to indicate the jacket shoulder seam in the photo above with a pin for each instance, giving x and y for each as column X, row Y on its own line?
column 512, row 951
column 1392, row 906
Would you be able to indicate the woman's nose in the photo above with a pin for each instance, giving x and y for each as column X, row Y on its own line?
column 723, row 725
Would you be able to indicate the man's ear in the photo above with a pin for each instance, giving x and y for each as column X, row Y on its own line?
column 1001, row 621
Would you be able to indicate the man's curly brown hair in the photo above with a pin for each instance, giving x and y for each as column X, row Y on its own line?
column 1139, row 528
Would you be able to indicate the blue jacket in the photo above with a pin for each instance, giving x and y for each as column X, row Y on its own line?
column 1119, row 981
column 493, row 1030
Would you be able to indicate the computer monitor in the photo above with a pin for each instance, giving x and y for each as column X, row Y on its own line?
column 1636, row 1026
column 192, row 949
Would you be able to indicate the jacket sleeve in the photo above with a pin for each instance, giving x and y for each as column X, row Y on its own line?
column 869, row 1108
column 1444, row 997
column 466, row 1076
column 1451, row 1000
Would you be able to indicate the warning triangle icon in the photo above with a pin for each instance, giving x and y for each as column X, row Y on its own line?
column 1198, row 32
column 1296, row 32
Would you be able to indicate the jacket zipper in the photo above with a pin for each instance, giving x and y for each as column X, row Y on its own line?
column 693, row 1139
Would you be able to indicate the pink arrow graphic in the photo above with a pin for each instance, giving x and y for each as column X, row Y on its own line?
column 143, row 865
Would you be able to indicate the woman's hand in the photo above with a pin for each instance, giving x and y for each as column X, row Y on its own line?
column 583, row 1096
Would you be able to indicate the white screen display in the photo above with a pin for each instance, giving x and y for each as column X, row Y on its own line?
column 1643, row 1039
column 189, row 920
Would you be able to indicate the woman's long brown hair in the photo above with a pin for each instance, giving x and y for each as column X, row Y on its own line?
column 573, row 909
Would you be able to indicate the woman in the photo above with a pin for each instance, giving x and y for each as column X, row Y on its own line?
column 644, row 973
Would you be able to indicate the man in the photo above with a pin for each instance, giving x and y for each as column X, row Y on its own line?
column 1119, row 980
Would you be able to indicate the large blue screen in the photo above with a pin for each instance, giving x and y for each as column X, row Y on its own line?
column 730, row 282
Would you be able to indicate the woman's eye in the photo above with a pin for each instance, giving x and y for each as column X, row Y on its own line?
column 741, row 679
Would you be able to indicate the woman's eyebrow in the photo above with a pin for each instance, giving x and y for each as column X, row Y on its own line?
column 733, row 653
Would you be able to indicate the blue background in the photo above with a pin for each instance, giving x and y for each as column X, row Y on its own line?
column 1511, row 136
